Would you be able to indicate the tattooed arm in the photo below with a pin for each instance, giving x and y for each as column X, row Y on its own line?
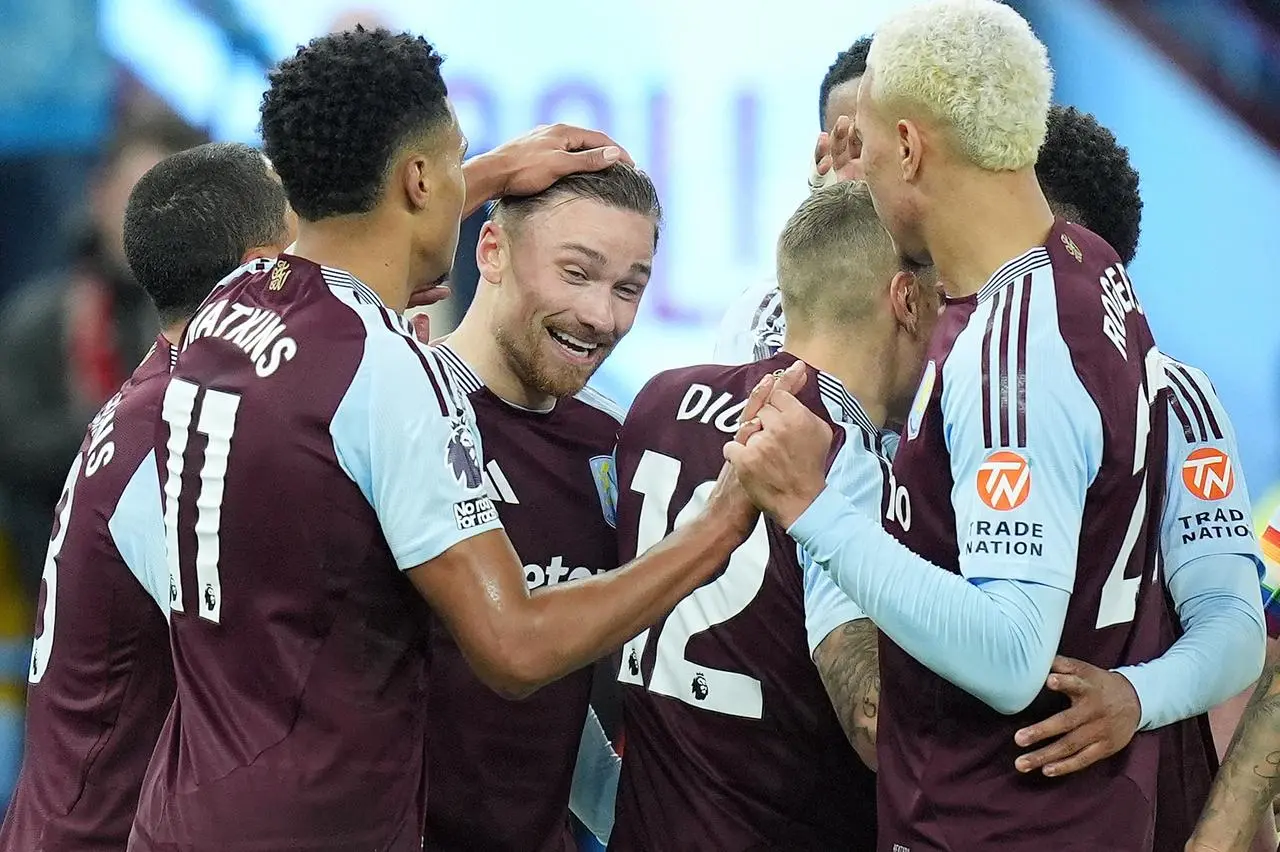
column 848, row 662
column 1250, row 775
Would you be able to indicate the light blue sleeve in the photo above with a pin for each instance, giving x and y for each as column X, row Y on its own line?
column 1220, row 653
column 595, row 779
column 1207, row 508
column 858, row 473
column 406, row 435
column 1015, row 473
column 825, row 606
column 992, row 639
column 1212, row 563
column 137, row 528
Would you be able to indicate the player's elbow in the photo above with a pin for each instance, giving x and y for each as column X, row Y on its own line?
column 1012, row 691
column 1011, row 698
column 1255, row 650
column 512, row 673
column 517, row 666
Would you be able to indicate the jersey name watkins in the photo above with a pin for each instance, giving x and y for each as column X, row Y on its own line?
column 101, row 451
column 1118, row 301
column 259, row 332
column 703, row 404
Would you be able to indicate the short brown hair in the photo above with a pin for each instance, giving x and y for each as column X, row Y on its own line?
column 834, row 256
column 619, row 185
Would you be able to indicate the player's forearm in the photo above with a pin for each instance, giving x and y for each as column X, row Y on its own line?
column 568, row 626
column 1220, row 652
column 485, row 175
column 995, row 640
column 1250, row 775
column 848, row 662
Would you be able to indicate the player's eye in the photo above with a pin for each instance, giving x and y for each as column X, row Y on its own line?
column 575, row 275
column 629, row 292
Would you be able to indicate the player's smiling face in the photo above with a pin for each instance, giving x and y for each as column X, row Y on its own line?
column 569, row 290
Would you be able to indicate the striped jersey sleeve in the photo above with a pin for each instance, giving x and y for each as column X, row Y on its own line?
column 1207, row 509
column 406, row 435
column 1023, row 435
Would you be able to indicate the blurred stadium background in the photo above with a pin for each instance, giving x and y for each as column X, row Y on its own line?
column 716, row 99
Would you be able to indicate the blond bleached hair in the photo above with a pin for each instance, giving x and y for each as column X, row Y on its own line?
column 835, row 259
column 977, row 68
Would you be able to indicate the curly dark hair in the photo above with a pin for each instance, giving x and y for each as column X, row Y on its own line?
column 336, row 114
column 849, row 64
column 1087, row 178
column 192, row 217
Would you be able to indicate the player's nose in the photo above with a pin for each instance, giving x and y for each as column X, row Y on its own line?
column 594, row 310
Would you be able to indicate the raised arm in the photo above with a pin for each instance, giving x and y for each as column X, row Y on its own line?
column 517, row 641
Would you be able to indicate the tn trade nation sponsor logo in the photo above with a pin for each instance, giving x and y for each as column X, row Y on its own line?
column 1207, row 474
column 1004, row 481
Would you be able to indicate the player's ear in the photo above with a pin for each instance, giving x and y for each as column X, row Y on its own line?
column 415, row 179
column 904, row 300
column 910, row 148
column 489, row 250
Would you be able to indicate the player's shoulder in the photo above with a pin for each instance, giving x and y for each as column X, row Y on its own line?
column 1194, row 405
column 703, row 391
column 122, row 432
column 1186, row 380
column 593, row 405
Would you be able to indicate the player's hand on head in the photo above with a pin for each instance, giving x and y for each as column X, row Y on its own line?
column 782, row 465
column 544, row 155
column 1102, row 719
column 839, row 152
column 826, row 171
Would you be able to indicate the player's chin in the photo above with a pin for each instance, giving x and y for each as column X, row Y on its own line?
column 568, row 379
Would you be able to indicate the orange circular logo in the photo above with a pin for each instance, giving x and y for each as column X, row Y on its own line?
column 1207, row 473
column 1004, row 481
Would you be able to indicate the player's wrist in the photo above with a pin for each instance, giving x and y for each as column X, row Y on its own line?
column 808, row 514
column 791, row 507
column 720, row 532
column 1136, row 707
column 487, row 176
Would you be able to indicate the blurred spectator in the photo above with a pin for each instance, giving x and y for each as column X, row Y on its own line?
column 70, row 339
column 55, row 110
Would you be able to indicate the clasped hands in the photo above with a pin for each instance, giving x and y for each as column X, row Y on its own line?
column 779, row 453
column 777, row 464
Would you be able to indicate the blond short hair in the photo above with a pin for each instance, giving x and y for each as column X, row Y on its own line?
column 835, row 259
column 975, row 66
